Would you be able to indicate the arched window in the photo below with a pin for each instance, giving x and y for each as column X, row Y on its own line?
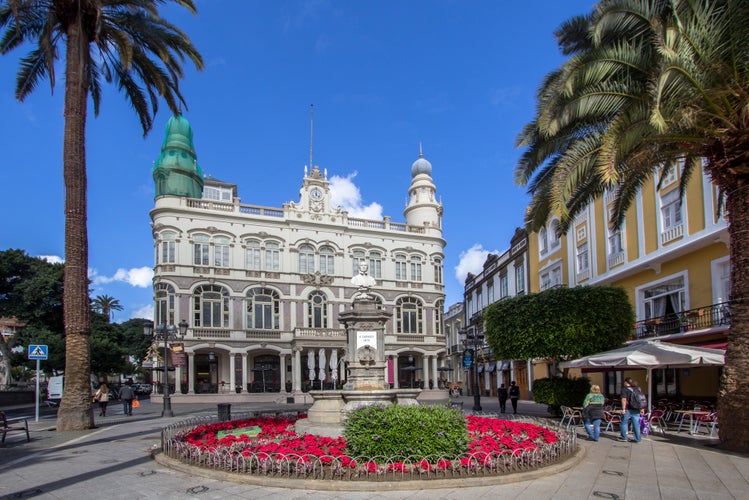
column 327, row 257
column 166, row 250
column 306, row 259
column 438, row 270
column 409, row 315
column 263, row 307
column 439, row 308
column 164, row 302
column 221, row 251
column 415, row 268
column 543, row 244
column 375, row 264
column 358, row 257
column 317, row 310
column 272, row 256
column 252, row 255
column 400, row 267
column 201, row 250
column 211, row 306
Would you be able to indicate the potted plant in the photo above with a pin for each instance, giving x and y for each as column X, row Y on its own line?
column 288, row 386
column 431, row 383
column 238, row 388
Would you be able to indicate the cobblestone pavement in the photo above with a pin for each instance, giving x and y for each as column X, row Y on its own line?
column 114, row 461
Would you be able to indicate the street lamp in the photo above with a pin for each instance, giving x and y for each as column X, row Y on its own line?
column 475, row 341
column 167, row 333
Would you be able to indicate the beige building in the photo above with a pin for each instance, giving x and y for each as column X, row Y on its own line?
column 261, row 288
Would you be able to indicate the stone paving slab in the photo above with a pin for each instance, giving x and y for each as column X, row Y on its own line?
column 117, row 454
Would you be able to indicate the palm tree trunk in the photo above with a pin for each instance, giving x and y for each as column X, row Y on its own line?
column 733, row 400
column 76, row 409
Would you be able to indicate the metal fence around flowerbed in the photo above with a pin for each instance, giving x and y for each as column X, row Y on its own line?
column 307, row 466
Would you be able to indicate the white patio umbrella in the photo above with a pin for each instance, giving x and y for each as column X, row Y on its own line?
column 321, row 354
column 311, row 364
column 334, row 365
column 649, row 354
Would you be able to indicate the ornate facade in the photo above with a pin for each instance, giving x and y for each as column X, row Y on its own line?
column 262, row 287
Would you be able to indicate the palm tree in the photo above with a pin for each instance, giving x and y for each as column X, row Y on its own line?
column 124, row 42
column 106, row 305
column 651, row 85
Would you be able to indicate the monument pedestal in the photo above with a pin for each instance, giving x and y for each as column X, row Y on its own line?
column 365, row 385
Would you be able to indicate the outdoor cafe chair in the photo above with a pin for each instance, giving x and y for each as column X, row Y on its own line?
column 611, row 420
column 709, row 421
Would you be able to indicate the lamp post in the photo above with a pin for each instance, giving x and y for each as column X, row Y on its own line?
column 167, row 333
column 475, row 341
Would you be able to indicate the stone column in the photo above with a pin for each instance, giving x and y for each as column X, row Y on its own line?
column 435, row 373
column 245, row 380
column 282, row 367
column 296, row 370
column 232, row 370
column 190, row 373
column 178, row 380
column 425, row 370
column 396, row 379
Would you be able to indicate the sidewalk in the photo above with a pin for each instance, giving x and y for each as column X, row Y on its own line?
column 113, row 461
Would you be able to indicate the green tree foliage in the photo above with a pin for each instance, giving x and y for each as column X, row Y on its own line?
column 31, row 291
column 651, row 87
column 559, row 391
column 125, row 42
column 106, row 305
column 561, row 323
column 406, row 432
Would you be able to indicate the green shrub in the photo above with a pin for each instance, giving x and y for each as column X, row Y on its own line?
column 406, row 432
column 559, row 391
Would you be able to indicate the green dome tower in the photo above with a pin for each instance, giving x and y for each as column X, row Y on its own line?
column 177, row 172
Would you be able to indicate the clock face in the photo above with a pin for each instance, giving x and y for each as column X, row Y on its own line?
column 315, row 194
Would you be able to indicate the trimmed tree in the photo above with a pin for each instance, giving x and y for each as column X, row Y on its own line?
column 560, row 324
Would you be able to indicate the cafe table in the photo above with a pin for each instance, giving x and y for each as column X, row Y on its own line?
column 691, row 414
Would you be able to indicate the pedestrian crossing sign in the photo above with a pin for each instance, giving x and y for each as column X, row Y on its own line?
column 37, row 351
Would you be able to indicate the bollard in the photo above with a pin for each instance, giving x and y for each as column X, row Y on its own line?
column 224, row 412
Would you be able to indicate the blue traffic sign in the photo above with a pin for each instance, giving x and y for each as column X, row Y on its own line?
column 38, row 351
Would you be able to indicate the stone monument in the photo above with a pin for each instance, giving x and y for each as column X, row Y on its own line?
column 366, row 366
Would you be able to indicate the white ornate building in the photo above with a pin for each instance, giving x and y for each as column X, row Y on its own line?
column 261, row 288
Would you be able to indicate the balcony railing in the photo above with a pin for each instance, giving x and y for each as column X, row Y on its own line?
column 701, row 318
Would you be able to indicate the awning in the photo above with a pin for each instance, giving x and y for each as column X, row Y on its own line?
column 490, row 367
column 504, row 366
column 480, row 368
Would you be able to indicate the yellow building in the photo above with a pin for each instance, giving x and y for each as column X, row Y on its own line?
column 670, row 254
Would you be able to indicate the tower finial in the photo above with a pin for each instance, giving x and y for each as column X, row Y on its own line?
column 311, row 123
column 421, row 153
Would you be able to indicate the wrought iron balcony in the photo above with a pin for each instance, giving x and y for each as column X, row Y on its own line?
column 700, row 318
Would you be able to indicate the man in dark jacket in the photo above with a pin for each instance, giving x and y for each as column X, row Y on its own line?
column 127, row 395
column 502, row 395
column 514, row 396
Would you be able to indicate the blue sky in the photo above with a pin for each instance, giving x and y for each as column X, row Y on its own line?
column 459, row 77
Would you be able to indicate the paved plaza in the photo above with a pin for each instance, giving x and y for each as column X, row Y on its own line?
column 114, row 461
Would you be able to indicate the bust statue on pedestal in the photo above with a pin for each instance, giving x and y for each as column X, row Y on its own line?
column 363, row 282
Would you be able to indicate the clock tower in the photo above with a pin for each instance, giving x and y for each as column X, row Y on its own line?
column 315, row 193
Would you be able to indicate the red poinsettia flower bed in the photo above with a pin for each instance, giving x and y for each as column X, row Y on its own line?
column 488, row 437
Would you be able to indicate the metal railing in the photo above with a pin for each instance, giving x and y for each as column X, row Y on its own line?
column 700, row 318
column 285, row 466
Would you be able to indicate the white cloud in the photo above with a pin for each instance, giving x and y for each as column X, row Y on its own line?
column 52, row 259
column 345, row 194
column 145, row 312
column 140, row 277
column 471, row 261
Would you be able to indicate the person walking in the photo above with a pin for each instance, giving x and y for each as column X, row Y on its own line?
column 502, row 395
column 593, row 412
column 514, row 396
column 631, row 408
column 127, row 395
column 102, row 397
